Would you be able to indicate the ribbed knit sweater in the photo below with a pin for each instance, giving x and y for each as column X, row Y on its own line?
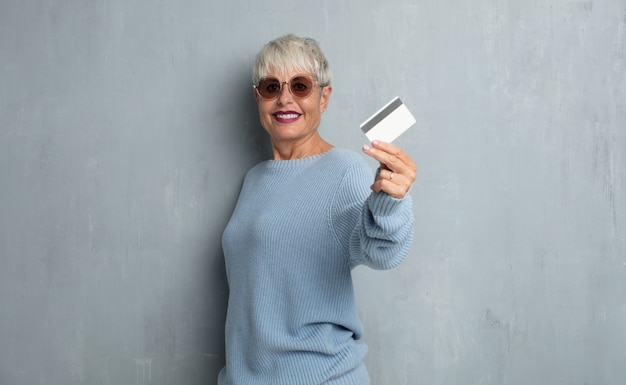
column 299, row 228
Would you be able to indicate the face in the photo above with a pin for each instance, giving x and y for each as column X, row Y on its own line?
column 289, row 117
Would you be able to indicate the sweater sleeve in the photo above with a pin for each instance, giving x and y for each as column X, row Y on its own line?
column 378, row 228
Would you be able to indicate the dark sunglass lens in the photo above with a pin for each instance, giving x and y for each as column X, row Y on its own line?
column 269, row 88
column 301, row 86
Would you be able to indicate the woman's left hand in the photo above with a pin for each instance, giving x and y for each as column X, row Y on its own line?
column 397, row 169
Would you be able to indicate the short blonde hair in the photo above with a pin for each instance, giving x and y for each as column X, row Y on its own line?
column 291, row 53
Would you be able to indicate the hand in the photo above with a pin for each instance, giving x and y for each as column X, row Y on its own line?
column 397, row 169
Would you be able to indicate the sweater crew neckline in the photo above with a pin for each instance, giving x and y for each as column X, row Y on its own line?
column 298, row 162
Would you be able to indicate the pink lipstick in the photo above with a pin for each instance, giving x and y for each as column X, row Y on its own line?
column 286, row 116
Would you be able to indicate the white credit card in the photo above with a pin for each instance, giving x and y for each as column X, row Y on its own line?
column 389, row 122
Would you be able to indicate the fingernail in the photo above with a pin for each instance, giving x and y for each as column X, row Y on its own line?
column 366, row 148
column 375, row 143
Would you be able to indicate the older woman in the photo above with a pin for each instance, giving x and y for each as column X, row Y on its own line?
column 303, row 221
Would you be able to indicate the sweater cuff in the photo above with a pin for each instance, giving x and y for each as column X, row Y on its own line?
column 384, row 204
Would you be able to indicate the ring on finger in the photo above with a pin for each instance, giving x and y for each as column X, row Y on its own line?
column 391, row 176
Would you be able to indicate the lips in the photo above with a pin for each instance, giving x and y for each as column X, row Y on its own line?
column 286, row 116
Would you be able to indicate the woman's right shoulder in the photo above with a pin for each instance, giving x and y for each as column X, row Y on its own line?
column 257, row 169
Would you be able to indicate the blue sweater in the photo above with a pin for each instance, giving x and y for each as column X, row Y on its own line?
column 299, row 228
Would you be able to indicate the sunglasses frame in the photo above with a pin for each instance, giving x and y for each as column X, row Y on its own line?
column 280, row 85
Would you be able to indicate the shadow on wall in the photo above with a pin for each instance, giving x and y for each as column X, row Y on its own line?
column 241, row 142
column 246, row 139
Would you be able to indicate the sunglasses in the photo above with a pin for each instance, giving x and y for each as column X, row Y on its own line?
column 300, row 86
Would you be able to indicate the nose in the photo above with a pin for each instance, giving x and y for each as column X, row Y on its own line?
column 284, row 95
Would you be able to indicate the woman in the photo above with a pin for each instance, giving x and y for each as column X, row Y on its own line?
column 303, row 221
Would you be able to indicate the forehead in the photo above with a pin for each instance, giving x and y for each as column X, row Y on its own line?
column 287, row 73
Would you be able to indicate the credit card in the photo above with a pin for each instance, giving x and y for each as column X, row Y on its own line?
column 389, row 122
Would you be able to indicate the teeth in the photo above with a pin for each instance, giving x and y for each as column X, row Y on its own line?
column 287, row 116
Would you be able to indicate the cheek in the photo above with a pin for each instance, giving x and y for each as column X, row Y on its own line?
column 265, row 118
column 263, row 112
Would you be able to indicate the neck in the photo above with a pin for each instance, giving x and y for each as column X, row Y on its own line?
column 289, row 150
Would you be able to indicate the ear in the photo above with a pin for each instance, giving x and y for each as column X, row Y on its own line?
column 326, row 91
column 256, row 94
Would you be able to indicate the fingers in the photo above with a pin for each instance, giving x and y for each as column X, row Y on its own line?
column 397, row 169
column 391, row 156
column 396, row 185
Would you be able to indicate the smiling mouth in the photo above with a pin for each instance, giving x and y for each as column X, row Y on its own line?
column 287, row 116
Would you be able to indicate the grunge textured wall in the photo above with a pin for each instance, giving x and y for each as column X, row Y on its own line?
column 126, row 128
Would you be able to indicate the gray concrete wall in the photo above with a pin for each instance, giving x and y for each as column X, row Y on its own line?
column 126, row 128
